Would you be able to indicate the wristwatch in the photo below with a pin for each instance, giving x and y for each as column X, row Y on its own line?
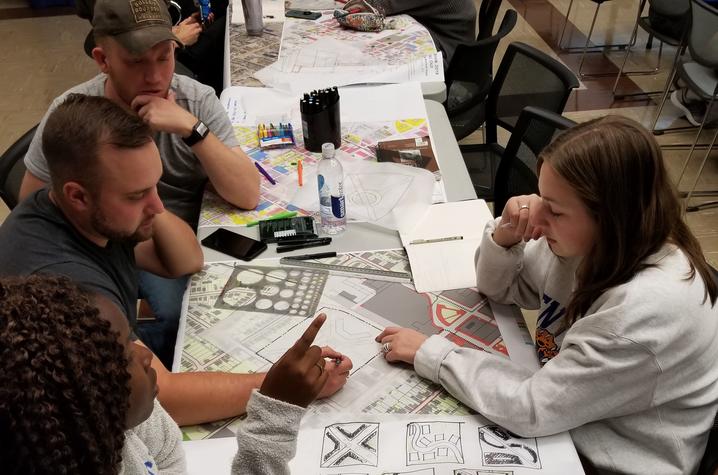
column 199, row 132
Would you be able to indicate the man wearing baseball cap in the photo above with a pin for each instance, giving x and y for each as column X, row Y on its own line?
column 135, row 53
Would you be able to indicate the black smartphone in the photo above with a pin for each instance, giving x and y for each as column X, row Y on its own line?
column 305, row 14
column 233, row 244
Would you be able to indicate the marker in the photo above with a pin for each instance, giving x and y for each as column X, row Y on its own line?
column 320, row 255
column 441, row 239
column 264, row 172
column 313, row 243
column 300, row 171
column 282, row 215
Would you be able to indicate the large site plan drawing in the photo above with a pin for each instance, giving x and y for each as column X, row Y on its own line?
column 358, row 143
column 242, row 318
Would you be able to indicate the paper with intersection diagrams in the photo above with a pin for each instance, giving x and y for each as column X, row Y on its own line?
column 241, row 318
column 394, row 444
column 320, row 53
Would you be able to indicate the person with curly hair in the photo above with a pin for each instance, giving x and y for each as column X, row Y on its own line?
column 78, row 395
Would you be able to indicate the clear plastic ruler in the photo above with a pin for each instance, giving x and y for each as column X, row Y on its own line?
column 376, row 274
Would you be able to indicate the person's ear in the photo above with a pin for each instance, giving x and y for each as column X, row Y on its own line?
column 99, row 54
column 76, row 196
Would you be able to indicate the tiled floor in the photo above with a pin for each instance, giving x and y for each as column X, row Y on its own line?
column 42, row 57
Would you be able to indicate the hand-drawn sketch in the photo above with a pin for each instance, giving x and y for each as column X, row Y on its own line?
column 342, row 329
column 351, row 443
column 471, row 471
column 501, row 447
column 423, row 471
column 273, row 290
column 433, row 442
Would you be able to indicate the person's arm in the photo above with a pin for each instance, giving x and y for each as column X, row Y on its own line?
column 172, row 251
column 596, row 375
column 163, row 440
column 196, row 398
column 230, row 171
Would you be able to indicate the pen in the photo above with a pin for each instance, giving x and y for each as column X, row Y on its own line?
column 320, row 255
column 306, row 240
column 441, row 239
column 281, row 215
column 300, row 171
column 314, row 243
column 264, row 172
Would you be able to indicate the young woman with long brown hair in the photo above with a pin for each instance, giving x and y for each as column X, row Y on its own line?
column 627, row 332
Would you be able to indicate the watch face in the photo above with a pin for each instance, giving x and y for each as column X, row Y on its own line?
column 201, row 129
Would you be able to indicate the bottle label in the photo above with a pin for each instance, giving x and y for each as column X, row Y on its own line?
column 338, row 207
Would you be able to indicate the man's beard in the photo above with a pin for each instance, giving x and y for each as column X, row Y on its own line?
column 100, row 224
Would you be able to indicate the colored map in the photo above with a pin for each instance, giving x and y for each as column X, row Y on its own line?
column 242, row 318
column 402, row 41
column 358, row 143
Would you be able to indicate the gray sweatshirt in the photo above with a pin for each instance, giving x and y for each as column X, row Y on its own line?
column 450, row 22
column 266, row 439
column 634, row 380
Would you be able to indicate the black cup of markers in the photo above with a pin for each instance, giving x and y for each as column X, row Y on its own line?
column 320, row 119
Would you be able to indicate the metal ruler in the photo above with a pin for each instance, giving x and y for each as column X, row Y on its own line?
column 376, row 274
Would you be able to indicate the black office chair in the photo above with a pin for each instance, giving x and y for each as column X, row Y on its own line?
column 526, row 77
column 12, row 168
column 468, row 79
column 487, row 18
column 517, row 173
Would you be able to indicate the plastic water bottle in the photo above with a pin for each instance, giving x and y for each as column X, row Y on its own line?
column 330, row 178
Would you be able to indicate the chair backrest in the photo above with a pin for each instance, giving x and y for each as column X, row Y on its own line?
column 487, row 18
column 703, row 35
column 526, row 77
column 517, row 171
column 12, row 168
column 671, row 8
column 473, row 62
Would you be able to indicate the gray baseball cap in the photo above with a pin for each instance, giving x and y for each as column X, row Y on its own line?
column 137, row 25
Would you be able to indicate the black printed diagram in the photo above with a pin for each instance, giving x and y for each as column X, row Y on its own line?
column 352, row 443
column 500, row 447
column 471, row 471
column 423, row 471
column 433, row 442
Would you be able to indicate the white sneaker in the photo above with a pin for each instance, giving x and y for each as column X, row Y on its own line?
column 693, row 110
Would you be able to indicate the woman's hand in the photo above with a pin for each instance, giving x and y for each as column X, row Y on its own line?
column 338, row 367
column 518, row 221
column 400, row 344
column 188, row 30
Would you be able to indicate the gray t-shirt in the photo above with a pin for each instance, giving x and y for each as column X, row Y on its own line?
column 183, row 178
column 37, row 239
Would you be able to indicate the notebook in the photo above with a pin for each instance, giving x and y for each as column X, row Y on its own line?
column 442, row 245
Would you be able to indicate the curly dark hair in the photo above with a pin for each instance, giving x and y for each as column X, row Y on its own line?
column 64, row 381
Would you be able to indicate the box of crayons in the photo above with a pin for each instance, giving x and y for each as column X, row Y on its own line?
column 272, row 136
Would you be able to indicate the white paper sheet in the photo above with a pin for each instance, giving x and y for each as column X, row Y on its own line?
column 251, row 105
column 210, row 456
column 288, row 77
column 453, row 232
column 425, row 445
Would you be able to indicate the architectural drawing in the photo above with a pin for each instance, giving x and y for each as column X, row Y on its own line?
column 467, row 471
column 247, row 339
column 500, row 447
column 352, row 443
column 342, row 329
column 358, row 143
column 433, row 443
column 423, row 471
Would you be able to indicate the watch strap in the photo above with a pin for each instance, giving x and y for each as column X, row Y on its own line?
column 199, row 132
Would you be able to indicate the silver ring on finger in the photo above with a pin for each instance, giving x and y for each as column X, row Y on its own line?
column 321, row 368
column 523, row 207
column 386, row 347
